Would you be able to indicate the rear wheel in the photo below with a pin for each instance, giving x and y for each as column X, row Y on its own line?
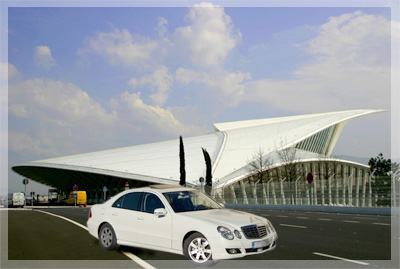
column 107, row 238
column 198, row 250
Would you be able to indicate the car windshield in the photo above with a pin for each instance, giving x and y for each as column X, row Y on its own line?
column 185, row 201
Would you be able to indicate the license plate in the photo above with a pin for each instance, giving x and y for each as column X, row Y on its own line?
column 261, row 244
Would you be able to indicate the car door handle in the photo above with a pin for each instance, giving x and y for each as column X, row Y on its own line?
column 140, row 218
column 114, row 214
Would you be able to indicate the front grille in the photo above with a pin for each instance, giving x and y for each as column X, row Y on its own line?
column 254, row 231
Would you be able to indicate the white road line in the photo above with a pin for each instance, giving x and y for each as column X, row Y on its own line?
column 282, row 216
column 340, row 258
column 302, row 217
column 127, row 254
column 64, row 218
column 293, row 226
column 351, row 221
column 365, row 218
column 137, row 260
column 385, row 224
column 325, row 219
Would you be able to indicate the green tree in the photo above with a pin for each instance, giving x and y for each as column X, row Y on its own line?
column 382, row 181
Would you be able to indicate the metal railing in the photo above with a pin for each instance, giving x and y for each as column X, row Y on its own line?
column 378, row 192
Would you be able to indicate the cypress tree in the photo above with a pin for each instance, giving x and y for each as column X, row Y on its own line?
column 182, row 181
column 208, row 165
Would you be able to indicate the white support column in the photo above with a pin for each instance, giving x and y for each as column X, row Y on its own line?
column 350, row 186
column 307, row 189
column 315, row 189
column 364, row 187
column 296, row 192
column 322, row 179
column 336, row 183
column 243, row 187
column 330, row 189
column 283, row 192
column 264, row 193
column 254, row 190
column 370, row 188
column 273, row 189
column 232, row 189
column 343, row 185
column 357, row 187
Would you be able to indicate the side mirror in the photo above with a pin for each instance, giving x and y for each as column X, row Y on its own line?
column 160, row 212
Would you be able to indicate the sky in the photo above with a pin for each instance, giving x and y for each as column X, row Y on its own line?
column 83, row 79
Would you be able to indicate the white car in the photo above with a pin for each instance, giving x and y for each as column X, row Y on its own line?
column 179, row 220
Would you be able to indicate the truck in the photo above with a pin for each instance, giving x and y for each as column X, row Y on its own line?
column 16, row 199
column 55, row 196
column 81, row 198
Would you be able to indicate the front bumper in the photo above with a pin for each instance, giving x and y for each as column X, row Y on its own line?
column 237, row 248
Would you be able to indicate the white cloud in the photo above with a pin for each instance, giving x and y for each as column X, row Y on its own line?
column 44, row 112
column 43, row 57
column 162, row 27
column 19, row 110
column 210, row 35
column 227, row 87
column 159, row 81
column 22, row 142
column 55, row 100
column 155, row 118
column 121, row 46
column 206, row 41
column 48, row 111
column 8, row 72
column 351, row 69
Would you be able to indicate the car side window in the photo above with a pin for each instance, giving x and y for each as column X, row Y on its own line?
column 118, row 203
column 151, row 202
column 129, row 201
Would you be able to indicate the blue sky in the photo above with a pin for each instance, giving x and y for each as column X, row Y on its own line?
column 87, row 79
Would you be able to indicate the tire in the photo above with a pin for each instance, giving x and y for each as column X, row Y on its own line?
column 107, row 237
column 197, row 249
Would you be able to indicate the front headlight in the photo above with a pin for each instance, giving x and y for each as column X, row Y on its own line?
column 225, row 232
column 237, row 234
column 271, row 226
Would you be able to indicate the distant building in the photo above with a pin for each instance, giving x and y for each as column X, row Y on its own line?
column 309, row 139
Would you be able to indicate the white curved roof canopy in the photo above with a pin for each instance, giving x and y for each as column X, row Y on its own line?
column 231, row 148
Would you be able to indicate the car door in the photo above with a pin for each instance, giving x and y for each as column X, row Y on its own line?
column 124, row 215
column 154, row 230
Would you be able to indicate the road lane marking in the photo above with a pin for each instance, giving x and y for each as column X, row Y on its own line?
column 365, row 218
column 282, row 216
column 340, row 258
column 293, row 226
column 385, row 224
column 64, row 218
column 302, row 217
column 138, row 260
column 351, row 221
column 128, row 254
column 325, row 219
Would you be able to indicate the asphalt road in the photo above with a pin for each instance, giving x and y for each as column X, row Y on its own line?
column 306, row 239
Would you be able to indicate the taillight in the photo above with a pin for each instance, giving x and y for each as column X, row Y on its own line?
column 90, row 213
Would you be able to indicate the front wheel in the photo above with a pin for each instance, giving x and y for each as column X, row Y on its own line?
column 198, row 250
column 107, row 238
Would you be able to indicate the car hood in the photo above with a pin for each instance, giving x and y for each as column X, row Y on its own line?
column 226, row 217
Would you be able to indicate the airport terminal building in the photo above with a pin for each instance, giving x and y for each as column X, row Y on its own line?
column 294, row 159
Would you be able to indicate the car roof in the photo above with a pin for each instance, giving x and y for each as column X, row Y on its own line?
column 163, row 188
